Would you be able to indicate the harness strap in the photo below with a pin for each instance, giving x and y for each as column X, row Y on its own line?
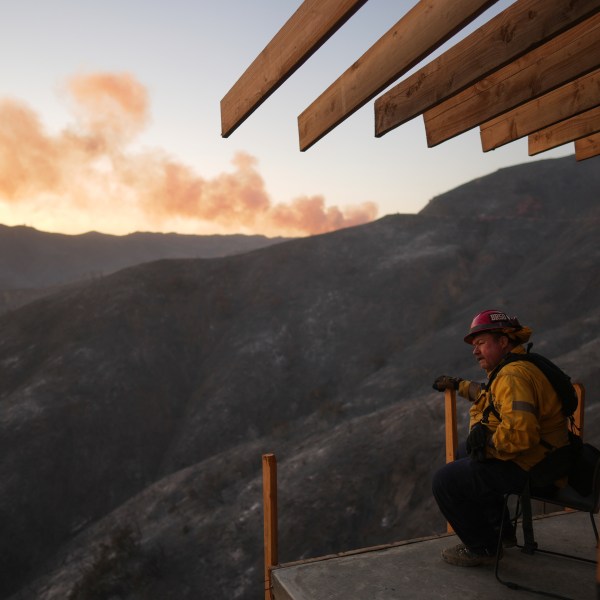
column 490, row 408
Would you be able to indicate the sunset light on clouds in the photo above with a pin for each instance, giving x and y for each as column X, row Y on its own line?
column 90, row 171
column 110, row 121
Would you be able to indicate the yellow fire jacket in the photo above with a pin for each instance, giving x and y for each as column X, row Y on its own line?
column 529, row 409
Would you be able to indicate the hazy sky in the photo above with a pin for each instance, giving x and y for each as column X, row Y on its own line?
column 109, row 121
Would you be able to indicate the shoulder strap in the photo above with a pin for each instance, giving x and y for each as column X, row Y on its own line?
column 490, row 408
column 510, row 357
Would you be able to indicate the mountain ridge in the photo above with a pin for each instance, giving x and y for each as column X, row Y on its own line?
column 35, row 263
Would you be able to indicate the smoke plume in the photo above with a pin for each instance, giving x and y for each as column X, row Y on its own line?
column 89, row 172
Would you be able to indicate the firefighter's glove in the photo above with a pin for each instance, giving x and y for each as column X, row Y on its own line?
column 477, row 441
column 445, row 382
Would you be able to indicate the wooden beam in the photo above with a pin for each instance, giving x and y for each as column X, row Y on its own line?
column 568, row 56
column 569, row 130
column 305, row 32
column 517, row 30
column 587, row 147
column 565, row 102
column 558, row 105
column 424, row 28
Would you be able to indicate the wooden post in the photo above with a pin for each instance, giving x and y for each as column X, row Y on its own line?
column 269, row 469
column 451, row 426
column 451, row 430
column 579, row 412
column 578, row 418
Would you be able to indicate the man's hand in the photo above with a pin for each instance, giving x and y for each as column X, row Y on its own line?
column 477, row 441
column 445, row 382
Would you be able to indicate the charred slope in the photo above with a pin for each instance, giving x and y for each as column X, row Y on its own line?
column 134, row 408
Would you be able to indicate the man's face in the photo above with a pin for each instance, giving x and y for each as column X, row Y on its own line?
column 489, row 349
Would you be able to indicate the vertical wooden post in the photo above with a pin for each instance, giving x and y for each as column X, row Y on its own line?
column 269, row 469
column 451, row 426
column 578, row 418
column 451, row 430
column 578, row 414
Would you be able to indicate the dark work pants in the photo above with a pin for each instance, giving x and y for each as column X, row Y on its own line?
column 470, row 495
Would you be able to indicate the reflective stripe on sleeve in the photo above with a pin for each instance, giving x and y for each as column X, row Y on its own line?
column 523, row 406
column 474, row 391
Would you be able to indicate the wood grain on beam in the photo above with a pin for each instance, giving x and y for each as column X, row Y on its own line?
column 517, row 30
column 568, row 56
column 308, row 28
column 587, row 147
column 569, row 130
column 558, row 105
column 423, row 29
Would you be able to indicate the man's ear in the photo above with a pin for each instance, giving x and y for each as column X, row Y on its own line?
column 506, row 343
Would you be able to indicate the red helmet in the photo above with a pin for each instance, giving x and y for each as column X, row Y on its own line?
column 492, row 320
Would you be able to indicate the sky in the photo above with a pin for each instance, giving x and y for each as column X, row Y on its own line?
column 110, row 122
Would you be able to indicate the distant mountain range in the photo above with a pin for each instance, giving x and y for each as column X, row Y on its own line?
column 34, row 263
column 134, row 407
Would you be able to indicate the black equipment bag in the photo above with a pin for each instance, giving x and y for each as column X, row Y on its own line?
column 552, row 467
column 583, row 467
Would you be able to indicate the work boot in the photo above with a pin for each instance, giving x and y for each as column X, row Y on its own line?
column 461, row 556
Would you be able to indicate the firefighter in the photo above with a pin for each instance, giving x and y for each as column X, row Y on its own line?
column 516, row 419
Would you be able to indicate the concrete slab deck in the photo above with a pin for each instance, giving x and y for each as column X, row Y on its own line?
column 415, row 570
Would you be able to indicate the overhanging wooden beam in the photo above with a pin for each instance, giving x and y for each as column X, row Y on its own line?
column 580, row 126
column 306, row 31
column 587, row 147
column 568, row 56
column 558, row 105
column 517, row 30
column 424, row 28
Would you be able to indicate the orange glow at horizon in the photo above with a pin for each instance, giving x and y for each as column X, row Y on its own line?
column 87, row 177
